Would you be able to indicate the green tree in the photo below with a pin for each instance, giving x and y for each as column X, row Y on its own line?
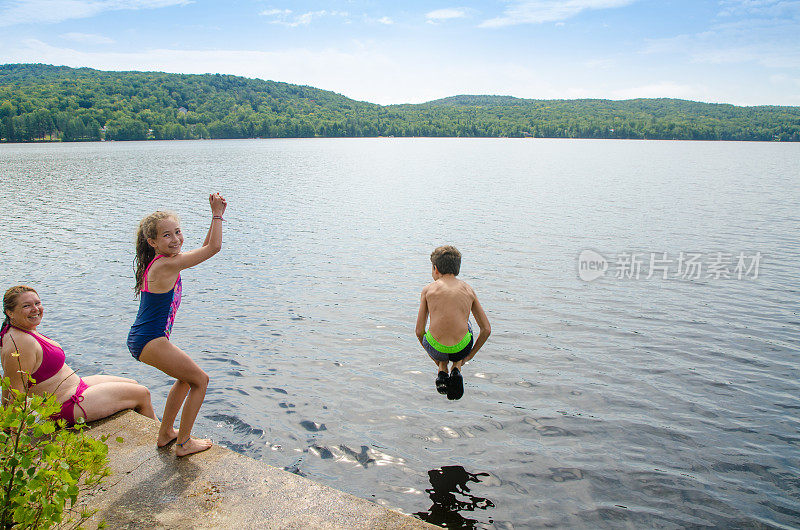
column 126, row 129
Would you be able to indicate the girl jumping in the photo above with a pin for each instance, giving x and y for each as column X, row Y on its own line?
column 158, row 265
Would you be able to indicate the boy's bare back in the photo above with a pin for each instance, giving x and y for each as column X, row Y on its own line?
column 449, row 302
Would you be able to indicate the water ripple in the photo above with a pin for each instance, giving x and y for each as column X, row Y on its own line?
column 616, row 403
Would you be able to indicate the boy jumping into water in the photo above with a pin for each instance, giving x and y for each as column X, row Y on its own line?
column 449, row 301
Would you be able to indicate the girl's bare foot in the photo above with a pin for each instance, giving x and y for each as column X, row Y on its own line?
column 192, row 445
column 165, row 438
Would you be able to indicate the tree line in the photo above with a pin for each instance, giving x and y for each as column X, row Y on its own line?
column 42, row 102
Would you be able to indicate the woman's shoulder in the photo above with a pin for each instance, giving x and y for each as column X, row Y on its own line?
column 15, row 339
column 18, row 342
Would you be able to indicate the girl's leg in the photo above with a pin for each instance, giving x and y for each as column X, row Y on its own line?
column 104, row 399
column 171, row 360
column 177, row 395
column 95, row 379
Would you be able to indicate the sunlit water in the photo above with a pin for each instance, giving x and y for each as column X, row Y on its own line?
column 620, row 402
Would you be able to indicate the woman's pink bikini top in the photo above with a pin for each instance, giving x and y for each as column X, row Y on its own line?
column 53, row 357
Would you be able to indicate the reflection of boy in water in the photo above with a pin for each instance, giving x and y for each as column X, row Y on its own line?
column 445, row 483
column 448, row 301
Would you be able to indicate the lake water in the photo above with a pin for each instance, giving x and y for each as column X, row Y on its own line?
column 619, row 402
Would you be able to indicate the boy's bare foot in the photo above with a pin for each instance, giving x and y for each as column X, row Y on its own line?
column 166, row 438
column 192, row 446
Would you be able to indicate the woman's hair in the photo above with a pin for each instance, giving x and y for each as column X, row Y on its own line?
column 446, row 259
column 10, row 301
column 148, row 228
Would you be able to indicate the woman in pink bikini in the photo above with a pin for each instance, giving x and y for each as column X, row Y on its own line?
column 91, row 398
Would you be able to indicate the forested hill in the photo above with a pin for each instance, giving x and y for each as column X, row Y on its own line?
column 42, row 102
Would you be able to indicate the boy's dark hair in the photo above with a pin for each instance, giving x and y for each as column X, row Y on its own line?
column 446, row 259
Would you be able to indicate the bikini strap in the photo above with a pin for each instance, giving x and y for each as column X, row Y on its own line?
column 8, row 328
column 147, row 269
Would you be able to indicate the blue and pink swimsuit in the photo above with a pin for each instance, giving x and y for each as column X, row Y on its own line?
column 156, row 314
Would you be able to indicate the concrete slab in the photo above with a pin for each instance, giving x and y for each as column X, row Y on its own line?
column 152, row 488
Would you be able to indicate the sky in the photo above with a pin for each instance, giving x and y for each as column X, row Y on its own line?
column 745, row 52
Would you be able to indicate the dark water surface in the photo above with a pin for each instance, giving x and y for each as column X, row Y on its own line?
column 620, row 402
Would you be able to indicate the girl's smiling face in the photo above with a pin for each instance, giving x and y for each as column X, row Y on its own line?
column 169, row 238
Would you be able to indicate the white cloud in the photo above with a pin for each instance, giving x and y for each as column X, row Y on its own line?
column 87, row 38
column 771, row 43
column 439, row 15
column 601, row 64
column 756, row 32
column 52, row 11
column 676, row 44
column 273, row 12
column 780, row 79
column 384, row 20
column 540, row 11
column 285, row 17
column 770, row 58
column 767, row 8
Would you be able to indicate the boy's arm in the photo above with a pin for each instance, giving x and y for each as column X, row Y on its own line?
column 422, row 316
column 483, row 323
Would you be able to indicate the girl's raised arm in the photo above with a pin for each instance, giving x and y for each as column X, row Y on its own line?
column 211, row 199
column 212, row 243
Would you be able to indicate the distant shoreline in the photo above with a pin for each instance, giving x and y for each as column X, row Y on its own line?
column 42, row 102
column 39, row 142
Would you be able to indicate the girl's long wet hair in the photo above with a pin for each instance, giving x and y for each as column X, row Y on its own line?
column 10, row 302
column 148, row 228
